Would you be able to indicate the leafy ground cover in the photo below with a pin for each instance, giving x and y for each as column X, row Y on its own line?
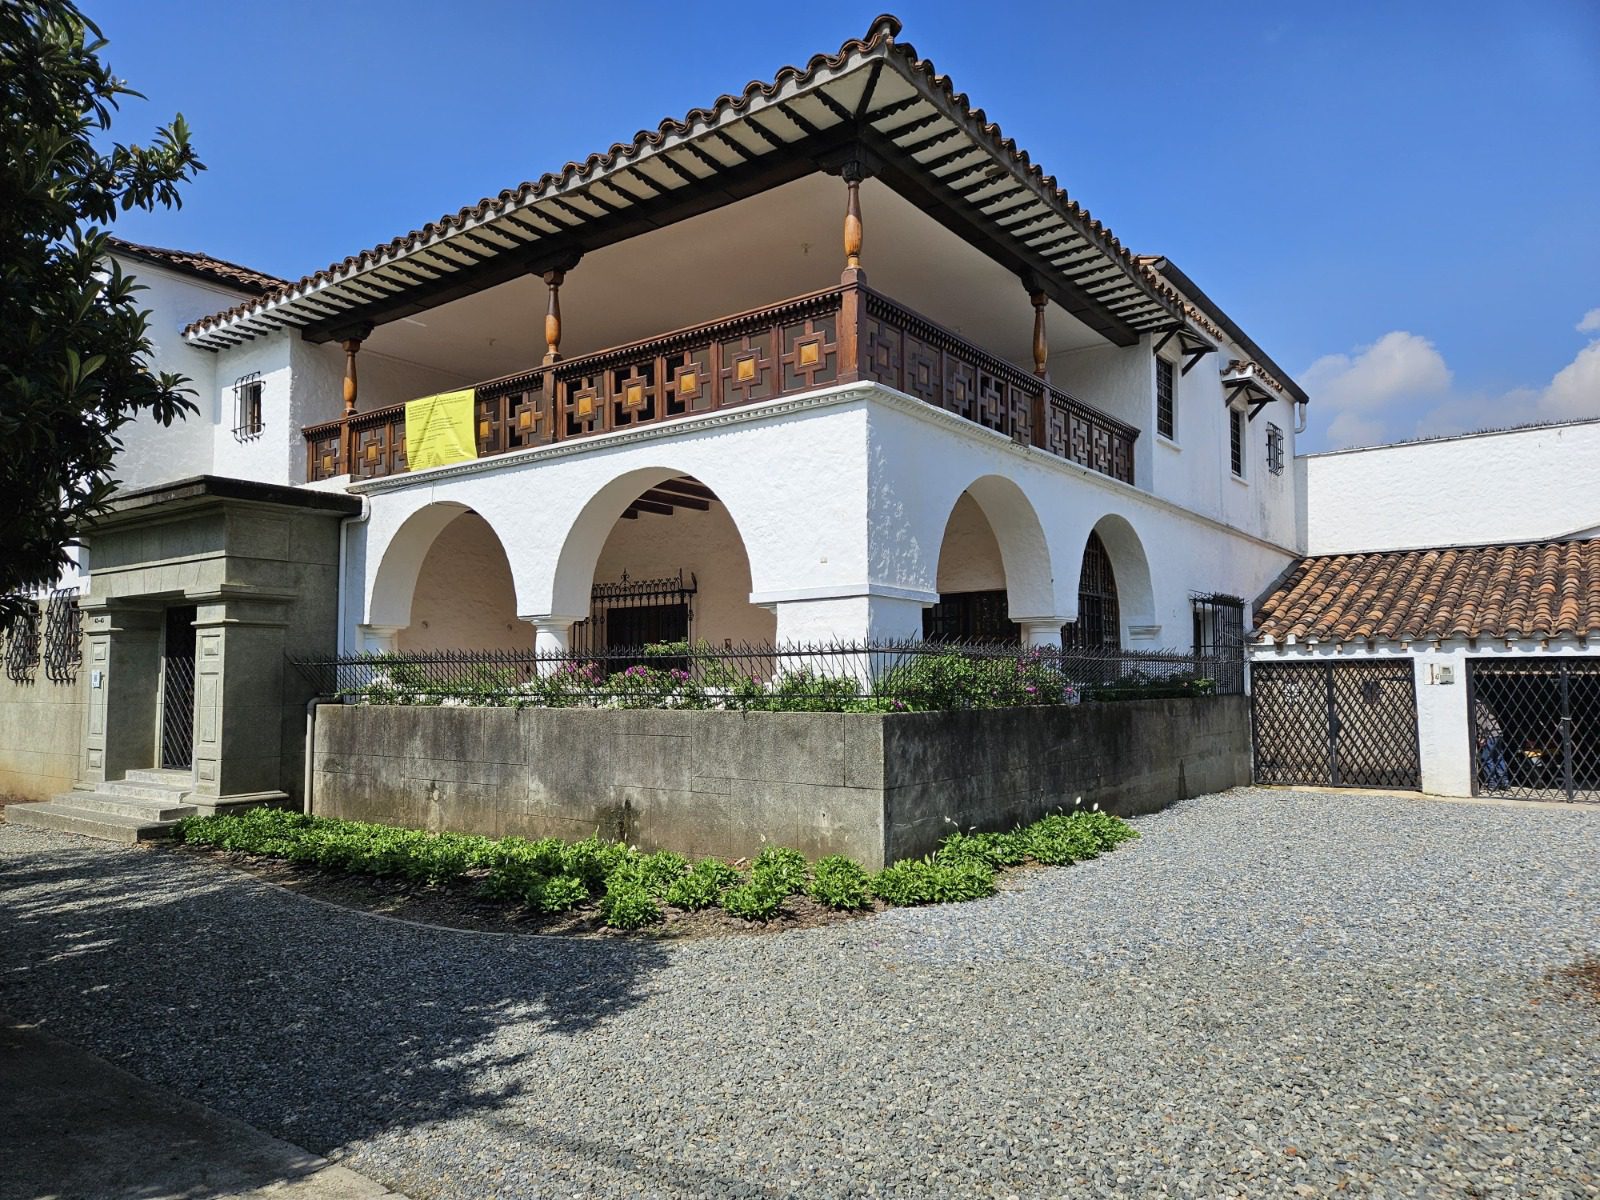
column 626, row 889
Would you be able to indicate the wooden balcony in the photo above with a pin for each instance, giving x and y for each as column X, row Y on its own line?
column 840, row 335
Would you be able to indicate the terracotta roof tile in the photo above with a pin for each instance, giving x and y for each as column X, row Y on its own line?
column 217, row 270
column 1547, row 589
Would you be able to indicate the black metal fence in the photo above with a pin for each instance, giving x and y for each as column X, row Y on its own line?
column 831, row 677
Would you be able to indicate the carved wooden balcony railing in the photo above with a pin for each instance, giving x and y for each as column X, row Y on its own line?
column 835, row 336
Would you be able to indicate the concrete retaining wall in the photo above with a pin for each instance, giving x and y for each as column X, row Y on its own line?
column 873, row 787
column 41, row 735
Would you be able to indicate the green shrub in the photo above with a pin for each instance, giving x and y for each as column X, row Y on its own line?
column 658, row 871
column 837, row 882
column 558, row 893
column 754, row 900
column 627, row 905
column 782, row 869
column 594, row 859
column 932, row 682
column 928, row 881
column 991, row 849
column 702, row 885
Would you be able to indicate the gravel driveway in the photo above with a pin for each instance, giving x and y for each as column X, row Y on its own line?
column 1271, row 993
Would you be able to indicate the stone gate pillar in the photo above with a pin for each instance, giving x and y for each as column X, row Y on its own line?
column 122, row 649
column 239, row 712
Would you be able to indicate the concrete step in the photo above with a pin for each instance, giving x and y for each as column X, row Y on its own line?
column 136, row 790
column 66, row 818
column 174, row 777
column 165, row 808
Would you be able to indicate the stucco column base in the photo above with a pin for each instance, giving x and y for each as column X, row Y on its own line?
column 552, row 640
column 379, row 639
column 1144, row 637
column 1042, row 632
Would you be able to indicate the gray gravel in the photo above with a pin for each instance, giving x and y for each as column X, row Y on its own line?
column 1271, row 993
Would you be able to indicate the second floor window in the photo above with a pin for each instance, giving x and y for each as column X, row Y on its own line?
column 1166, row 392
column 247, row 408
column 1236, row 442
column 1274, row 449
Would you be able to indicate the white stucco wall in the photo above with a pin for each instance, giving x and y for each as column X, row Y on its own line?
column 1193, row 468
column 969, row 556
column 1444, row 731
column 153, row 453
column 1516, row 486
column 842, row 498
column 464, row 598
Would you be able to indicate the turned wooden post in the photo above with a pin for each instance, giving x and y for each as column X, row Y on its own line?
column 347, row 454
column 852, row 173
column 1041, row 367
column 552, row 317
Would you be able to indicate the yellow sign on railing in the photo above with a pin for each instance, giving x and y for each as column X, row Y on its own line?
column 439, row 430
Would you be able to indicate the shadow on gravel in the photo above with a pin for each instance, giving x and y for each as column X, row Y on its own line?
column 319, row 1025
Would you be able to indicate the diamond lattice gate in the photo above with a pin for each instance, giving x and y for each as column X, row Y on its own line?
column 1535, row 728
column 1347, row 724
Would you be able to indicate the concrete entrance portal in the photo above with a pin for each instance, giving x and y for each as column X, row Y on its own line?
column 197, row 591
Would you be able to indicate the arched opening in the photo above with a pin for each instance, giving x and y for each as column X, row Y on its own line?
column 994, row 568
column 1099, row 624
column 462, row 597
column 672, row 566
column 1116, row 602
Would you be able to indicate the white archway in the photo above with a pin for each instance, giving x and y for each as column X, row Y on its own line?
column 1131, row 568
column 993, row 542
column 394, row 585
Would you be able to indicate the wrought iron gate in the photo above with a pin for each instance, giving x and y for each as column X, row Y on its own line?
column 634, row 613
column 1535, row 728
column 177, row 689
column 1346, row 724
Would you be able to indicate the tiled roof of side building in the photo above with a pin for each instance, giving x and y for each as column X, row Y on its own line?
column 203, row 266
column 1146, row 300
column 1535, row 590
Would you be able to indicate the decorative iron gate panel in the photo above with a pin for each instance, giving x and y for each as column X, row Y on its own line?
column 177, row 689
column 1345, row 724
column 1535, row 728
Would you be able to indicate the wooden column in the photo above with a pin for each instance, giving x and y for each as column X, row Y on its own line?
column 852, row 173
column 1040, row 416
column 552, row 317
column 352, row 346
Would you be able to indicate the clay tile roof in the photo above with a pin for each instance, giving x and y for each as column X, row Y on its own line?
column 215, row 270
column 1548, row 589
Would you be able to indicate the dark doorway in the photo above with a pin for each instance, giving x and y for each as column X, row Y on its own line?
column 177, row 688
column 1535, row 725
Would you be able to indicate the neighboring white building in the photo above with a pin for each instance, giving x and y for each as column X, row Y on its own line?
column 1441, row 635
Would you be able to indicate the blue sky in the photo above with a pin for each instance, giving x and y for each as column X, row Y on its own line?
column 1398, row 201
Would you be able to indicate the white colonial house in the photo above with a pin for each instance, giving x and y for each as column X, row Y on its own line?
column 829, row 360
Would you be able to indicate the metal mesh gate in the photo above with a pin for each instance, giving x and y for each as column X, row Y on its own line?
column 1346, row 724
column 177, row 689
column 1535, row 728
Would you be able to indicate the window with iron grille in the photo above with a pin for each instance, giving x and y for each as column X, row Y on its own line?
column 1166, row 391
column 1274, row 449
column 1236, row 441
column 22, row 645
column 1099, row 624
column 247, row 407
column 1219, row 639
column 63, row 636
column 970, row 617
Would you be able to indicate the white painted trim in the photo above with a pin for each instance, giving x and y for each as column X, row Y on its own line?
column 847, row 593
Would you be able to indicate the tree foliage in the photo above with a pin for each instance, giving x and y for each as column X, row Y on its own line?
column 74, row 344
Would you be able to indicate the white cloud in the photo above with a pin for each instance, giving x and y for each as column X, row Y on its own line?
column 1400, row 386
column 1363, row 388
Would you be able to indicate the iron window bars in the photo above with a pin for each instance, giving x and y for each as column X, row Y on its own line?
column 1166, row 409
column 1274, row 449
column 22, row 645
column 63, row 636
column 247, row 423
column 1236, row 442
column 1219, row 633
column 1099, row 624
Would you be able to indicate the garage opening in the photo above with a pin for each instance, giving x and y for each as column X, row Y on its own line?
column 1535, row 727
column 1346, row 724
